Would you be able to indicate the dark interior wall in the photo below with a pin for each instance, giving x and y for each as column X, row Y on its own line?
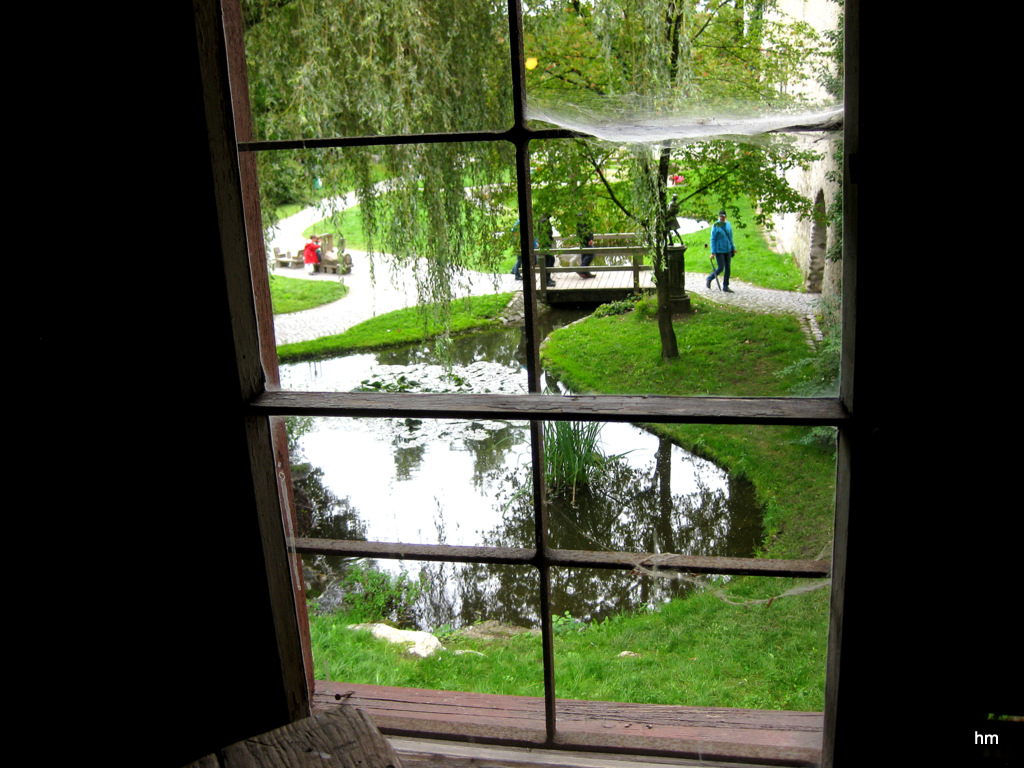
column 927, row 649
column 931, row 640
column 204, row 658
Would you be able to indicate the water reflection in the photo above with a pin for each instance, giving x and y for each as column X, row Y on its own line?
column 468, row 482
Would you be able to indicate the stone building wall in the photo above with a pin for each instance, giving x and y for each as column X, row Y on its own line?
column 808, row 239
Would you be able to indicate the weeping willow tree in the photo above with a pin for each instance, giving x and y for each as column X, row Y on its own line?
column 327, row 68
column 615, row 68
column 347, row 68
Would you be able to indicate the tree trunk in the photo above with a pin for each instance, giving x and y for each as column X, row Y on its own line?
column 669, row 347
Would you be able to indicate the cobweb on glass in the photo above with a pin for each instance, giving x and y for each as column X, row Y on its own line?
column 623, row 120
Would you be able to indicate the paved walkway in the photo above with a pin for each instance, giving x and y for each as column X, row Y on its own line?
column 387, row 292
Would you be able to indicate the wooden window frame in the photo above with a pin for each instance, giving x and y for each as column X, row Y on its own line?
column 219, row 33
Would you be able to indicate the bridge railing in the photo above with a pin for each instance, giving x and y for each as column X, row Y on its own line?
column 633, row 254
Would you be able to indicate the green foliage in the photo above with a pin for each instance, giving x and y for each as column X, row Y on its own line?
column 722, row 351
column 818, row 373
column 319, row 68
column 699, row 652
column 564, row 624
column 620, row 307
column 830, row 70
column 646, row 308
column 372, row 595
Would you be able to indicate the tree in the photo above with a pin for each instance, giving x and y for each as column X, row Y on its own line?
column 370, row 67
column 665, row 57
column 319, row 68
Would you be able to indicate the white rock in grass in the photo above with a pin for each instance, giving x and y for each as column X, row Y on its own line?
column 629, row 654
column 420, row 643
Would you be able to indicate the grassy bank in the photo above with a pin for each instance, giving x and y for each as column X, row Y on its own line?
column 741, row 643
column 400, row 327
column 697, row 652
column 294, row 294
column 722, row 352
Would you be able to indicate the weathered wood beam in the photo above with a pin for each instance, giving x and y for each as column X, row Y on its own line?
column 565, row 558
column 809, row 411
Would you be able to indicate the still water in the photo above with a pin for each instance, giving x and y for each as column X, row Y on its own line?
column 468, row 482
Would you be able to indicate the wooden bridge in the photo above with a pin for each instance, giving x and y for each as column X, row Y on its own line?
column 623, row 274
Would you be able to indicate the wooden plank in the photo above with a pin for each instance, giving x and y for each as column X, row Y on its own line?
column 339, row 737
column 792, row 738
column 748, row 566
column 431, row 753
column 809, row 411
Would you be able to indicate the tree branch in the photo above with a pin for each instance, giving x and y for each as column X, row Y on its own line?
column 711, row 17
column 600, row 175
column 711, row 183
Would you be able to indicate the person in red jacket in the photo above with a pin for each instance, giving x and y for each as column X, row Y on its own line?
column 311, row 254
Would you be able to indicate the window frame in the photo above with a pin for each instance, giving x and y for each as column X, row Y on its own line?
column 219, row 32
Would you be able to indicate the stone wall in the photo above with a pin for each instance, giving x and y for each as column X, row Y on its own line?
column 808, row 239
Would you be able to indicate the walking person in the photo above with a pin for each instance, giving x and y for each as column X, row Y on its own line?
column 723, row 249
column 586, row 236
column 548, row 235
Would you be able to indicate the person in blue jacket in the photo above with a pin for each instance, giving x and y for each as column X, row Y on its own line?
column 722, row 249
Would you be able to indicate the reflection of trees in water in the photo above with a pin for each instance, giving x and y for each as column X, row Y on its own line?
column 623, row 509
column 320, row 514
column 488, row 442
column 497, row 346
column 407, row 447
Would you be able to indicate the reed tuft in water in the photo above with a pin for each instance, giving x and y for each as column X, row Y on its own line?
column 572, row 453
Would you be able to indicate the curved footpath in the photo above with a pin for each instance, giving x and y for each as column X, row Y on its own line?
column 368, row 298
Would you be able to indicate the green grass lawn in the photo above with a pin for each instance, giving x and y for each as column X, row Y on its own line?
column 293, row 294
column 695, row 652
column 400, row 327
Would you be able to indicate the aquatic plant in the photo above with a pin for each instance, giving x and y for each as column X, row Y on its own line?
column 572, row 452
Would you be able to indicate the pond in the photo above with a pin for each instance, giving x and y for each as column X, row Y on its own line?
column 468, row 483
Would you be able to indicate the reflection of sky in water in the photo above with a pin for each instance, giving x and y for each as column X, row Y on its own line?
column 409, row 479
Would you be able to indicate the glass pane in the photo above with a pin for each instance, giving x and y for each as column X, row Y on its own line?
column 408, row 480
column 620, row 487
column 477, row 627
column 372, row 249
column 360, row 68
column 775, row 332
column 716, row 645
column 691, row 489
column 656, row 636
column 688, row 106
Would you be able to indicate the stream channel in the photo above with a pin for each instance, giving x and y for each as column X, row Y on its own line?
column 468, row 483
